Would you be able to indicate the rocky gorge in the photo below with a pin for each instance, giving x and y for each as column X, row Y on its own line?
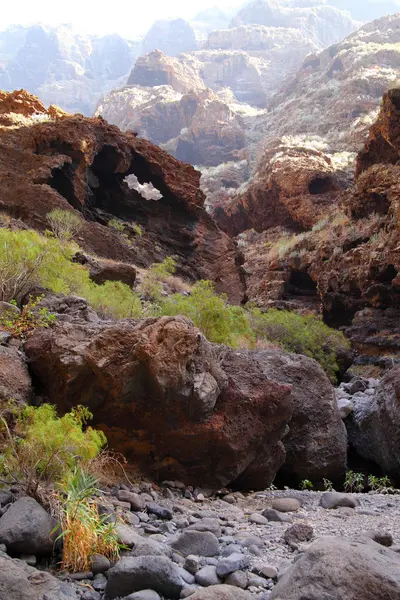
column 200, row 399
column 204, row 424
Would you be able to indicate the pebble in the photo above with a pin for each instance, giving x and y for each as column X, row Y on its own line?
column 258, row 519
column 207, row 576
column 238, row 579
column 286, row 505
column 332, row 500
column 273, row 515
column 160, row 511
column 234, row 562
column 266, row 571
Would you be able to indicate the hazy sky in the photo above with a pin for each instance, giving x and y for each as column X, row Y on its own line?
column 122, row 16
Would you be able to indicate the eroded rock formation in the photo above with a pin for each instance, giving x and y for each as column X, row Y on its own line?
column 243, row 65
column 349, row 261
column 71, row 161
column 292, row 188
column 334, row 98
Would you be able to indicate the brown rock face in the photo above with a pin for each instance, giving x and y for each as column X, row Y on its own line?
column 291, row 188
column 15, row 382
column 383, row 144
column 316, row 445
column 197, row 127
column 20, row 102
column 350, row 262
column 80, row 163
column 167, row 398
column 155, row 68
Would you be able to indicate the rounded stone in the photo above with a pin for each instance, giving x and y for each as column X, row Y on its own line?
column 286, row 505
column 258, row 519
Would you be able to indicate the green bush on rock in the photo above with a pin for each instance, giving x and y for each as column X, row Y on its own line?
column 65, row 224
column 302, row 334
column 219, row 321
column 28, row 259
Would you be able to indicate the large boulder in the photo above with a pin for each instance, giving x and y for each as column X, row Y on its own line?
column 18, row 581
column 167, row 398
column 334, row 568
column 374, row 425
column 132, row 574
column 26, row 528
column 15, row 381
column 316, row 445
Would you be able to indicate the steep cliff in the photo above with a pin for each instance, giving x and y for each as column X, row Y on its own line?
column 347, row 264
column 63, row 67
column 57, row 160
column 326, row 109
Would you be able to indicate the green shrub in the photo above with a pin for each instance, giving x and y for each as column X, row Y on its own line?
column 306, row 335
column 306, row 484
column 65, row 224
column 137, row 229
column 379, row 484
column 354, row 482
column 116, row 224
column 114, row 298
column 28, row 259
column 151, row 286
column 38, row 447
column 219, row 321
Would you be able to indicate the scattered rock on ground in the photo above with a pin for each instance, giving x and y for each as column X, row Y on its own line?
column 285, row 505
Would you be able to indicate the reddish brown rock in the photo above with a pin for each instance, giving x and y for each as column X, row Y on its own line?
column 81, row 164
column 350, row 262
column 15, row 382
column 291, row 188
column 107, row 270
column 165, row 397
column 20, row 102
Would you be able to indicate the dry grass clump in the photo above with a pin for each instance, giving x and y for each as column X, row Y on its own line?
column 85, row 531
column 177, row 285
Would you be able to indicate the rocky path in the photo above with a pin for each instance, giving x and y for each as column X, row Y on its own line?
column 181, row 543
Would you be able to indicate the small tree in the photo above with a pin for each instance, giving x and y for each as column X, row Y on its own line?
column 64, row 224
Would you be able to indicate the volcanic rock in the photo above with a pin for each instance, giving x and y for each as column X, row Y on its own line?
column 15, row 381
column 81, row 164
column 138, row 379
column 374, row 424
column 26, row 528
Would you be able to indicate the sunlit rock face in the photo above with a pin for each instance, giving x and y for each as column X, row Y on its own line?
column 323, row 24
column 63, row 67
column 243, row 63
column 171, row 37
